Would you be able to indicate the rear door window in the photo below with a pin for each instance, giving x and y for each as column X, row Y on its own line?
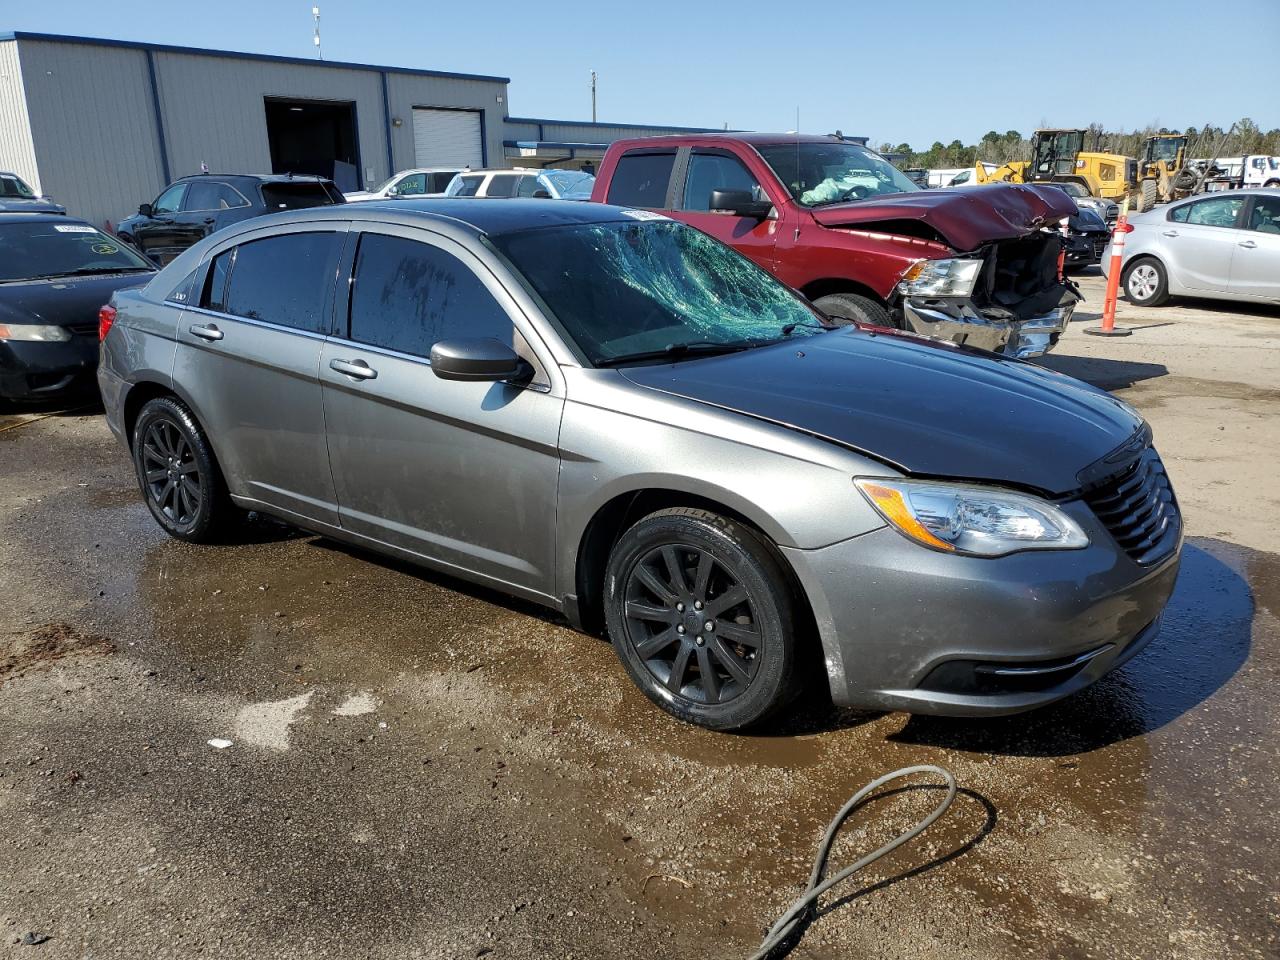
column 640, row 180
column 437, row 182
column 468, row 186
column 285, row 280
column 501, row 185
column 408, row 294
column 207, row 195
column 283, row 195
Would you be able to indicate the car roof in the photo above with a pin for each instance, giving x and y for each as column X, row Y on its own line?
column 24, row 217
column 754, row 139
column 469, row 215
column 259, row 177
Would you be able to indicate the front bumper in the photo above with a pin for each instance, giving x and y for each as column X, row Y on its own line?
column 959, row 320
column 31, row 370
column 907, row 628
column 1085, row 249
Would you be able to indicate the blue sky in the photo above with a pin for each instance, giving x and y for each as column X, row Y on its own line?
column 916, row 71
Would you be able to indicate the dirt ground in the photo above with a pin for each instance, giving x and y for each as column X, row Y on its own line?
column 420, row 769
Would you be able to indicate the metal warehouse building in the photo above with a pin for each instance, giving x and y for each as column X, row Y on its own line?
column 103, row 125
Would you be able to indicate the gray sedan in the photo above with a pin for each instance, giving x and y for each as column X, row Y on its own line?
column 612, row 414
column 1224, row 246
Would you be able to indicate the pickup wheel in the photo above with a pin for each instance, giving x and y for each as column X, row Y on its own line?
column 847, row 308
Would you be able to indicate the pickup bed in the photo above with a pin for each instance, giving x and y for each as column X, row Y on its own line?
column 836, row 221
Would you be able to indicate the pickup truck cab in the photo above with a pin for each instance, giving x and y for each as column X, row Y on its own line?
column 839, row 223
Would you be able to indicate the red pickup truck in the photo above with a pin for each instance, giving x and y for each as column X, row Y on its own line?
column 851, row 232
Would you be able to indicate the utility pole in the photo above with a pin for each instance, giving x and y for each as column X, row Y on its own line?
column 315, row 13
column 593, row 96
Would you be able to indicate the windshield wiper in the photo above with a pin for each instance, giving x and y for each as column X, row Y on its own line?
column 700, row 348
column 90, row 271
column 789, row 328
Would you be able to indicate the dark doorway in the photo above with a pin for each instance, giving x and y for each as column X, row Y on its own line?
column 316, row 137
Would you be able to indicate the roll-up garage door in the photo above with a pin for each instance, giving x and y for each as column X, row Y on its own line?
column 447, row 138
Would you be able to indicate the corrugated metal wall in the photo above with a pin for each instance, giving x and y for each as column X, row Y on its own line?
column 214, row 111
column 17, row 153
column 88, row 132
column 406, row 91
column 93, row 126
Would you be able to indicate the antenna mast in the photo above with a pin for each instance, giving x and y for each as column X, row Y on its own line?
column 315, row 14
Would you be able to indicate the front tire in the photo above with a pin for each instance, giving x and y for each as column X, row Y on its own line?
column 179, row 477
column 1145, row 282
column 701, row 613
column 846, row 308
column 1147, row 198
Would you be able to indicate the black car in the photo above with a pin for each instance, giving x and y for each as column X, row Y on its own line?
column 56, row 272
column 1087, row 237
column 194, row 207
column 17, row 197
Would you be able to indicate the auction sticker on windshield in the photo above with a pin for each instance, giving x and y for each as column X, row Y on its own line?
column 644, row 215
column 75, row 228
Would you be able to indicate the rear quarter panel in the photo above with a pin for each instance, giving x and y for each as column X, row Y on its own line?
column 140, row 348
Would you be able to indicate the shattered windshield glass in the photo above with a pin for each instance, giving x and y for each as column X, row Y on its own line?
column 817, row 173
column 653, row 290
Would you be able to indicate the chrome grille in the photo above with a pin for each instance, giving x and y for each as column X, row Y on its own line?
column 1139, row 509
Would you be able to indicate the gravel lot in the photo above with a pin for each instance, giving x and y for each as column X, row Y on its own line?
column 419, row 768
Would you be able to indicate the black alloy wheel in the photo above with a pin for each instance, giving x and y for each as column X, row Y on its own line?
column 692, row 623
column 700, row 611
column 172, row 478
column 178, row 474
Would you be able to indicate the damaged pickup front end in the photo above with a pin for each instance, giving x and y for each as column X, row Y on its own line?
column 1002, row 290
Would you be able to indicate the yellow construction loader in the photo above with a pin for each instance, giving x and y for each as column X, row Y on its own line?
column 1059, row 155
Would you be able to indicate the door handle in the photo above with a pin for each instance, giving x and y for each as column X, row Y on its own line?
column 1248, row 244
column 354, row 368
column 205, row 331
column 1170, row 233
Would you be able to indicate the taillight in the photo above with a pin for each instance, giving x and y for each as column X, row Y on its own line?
column 106, row 317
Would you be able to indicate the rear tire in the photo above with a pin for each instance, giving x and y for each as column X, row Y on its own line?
column 178, row 474
column 701, row 613
column 846, row 308
column 1145, row 282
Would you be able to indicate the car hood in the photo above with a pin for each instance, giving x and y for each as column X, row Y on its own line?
column 63, row 302
column 965, row 217
column 359, row 195
column 927, row 407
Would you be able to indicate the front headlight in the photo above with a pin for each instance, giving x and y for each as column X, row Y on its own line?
column 969, row 519
column 34, row 331
column 940, row 278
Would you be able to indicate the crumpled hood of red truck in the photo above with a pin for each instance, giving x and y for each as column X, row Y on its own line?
column 965, row 217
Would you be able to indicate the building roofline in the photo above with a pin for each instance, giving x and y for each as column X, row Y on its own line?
column 236, row 55
column 617, row 126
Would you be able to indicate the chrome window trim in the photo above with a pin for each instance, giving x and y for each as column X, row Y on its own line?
column 252, row 321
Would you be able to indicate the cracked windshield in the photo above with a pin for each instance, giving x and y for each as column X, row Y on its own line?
column 822, row 173
column 652, row 290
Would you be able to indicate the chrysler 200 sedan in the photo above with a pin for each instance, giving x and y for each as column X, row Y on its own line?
column 617, row 416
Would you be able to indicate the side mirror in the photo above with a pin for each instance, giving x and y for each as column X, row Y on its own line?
column 144, row 209
column 477, row 359
column 740, row 203
column 541, row 195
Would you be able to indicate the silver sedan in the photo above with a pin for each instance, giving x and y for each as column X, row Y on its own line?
column 1223, row 246
column 615, row 415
